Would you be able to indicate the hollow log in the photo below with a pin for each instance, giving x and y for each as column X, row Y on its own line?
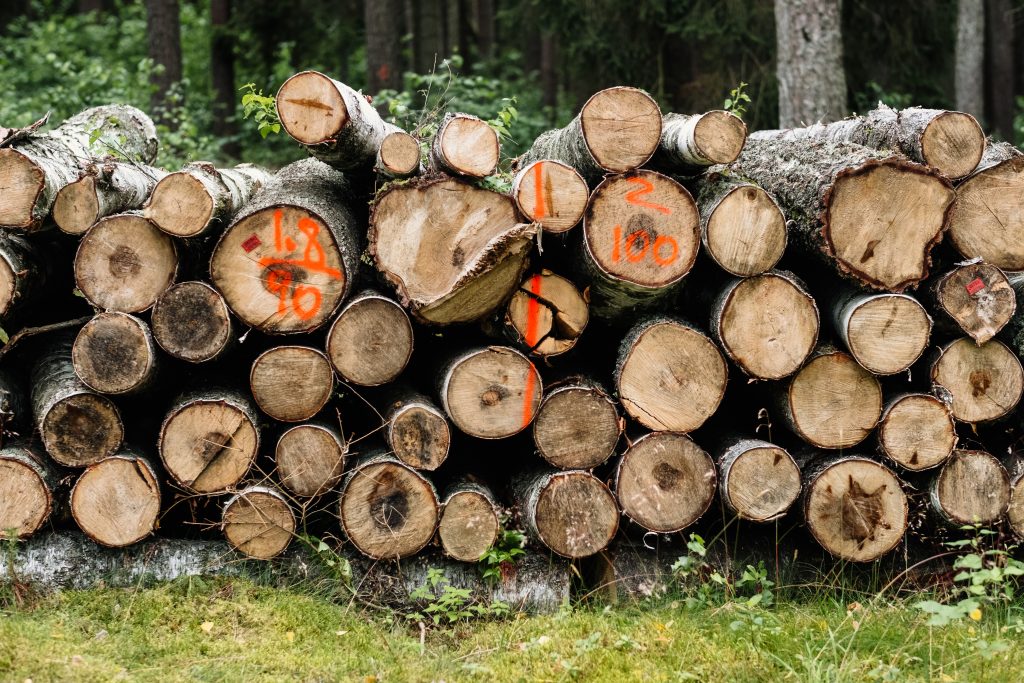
column 872, row 217
column 416, row 430
column 191, row 321
column 669, row 375
column 491, row 392
column 103, row 188
column 986, row 221
column 258, row 522
column 371, row 340
column 310, row 458
column 767, row 324
column 192, row 201
column 665, row 482
column 29, row 489
column 116, row 500
column 577, row 425
column 741, row 226
column 454, row 252
column 552, row 194
column 34, row 168
column 886, row 333
column 398, row 157
column 980, row 383
column 759, row 481
column 572, row 512
column 465, row 145
column 23, row 274
column 291, row 383
column 114, row 353
column 546, row 315
column 975, row 299
column 690, row 142
column 124, row 263
column 916, row 431
column 291, row 255
column 209, row 440
column 469, row 523
column 972, row 487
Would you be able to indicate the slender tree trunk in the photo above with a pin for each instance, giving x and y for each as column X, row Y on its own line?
column 1001, row 68
column 549, row 72
column 222, row 73
column 382, row 45
column 970, row 58
column 429, row 22
column 812, row 84
column 485, row 28
column 163, row 36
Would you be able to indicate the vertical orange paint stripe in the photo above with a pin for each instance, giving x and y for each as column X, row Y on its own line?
column 532, row 322
column 539, row 210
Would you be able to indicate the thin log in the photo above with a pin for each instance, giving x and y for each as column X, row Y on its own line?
column 23, row 274
column 310, row 458
column 116, row 501
column 759, row 480
column 103, row 188
column 258, row 522
column 398, row 157
column 469, row 523
column 691, row 142
column 572, row 513
column 886, row 333
column 491, row 393
column 465, row 145
column 371, row 340
column 578, row 425
column 741, row 226
column 114, row 353
column 552, row 194
column 291, row 383
column 191, row 321
column 916, row 431
column 416, row 430
column 980, row 383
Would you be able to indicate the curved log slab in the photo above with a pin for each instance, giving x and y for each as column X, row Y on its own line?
column 572, row 513
column 916, row 431
column 258, row 522
column 980, row 383
column 116, row 501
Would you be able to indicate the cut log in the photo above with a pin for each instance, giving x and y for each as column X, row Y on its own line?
column 258, row 522
column 116, row 501
column 986, row 221
column 416, row 430
column 192, row 201
column 191, row 321
column 469, row 522
column 950, row 141
column 78, row 426
column 872, row 217
column 292, row 254
column 291, row 383
column 310, row 459
column 664, row 482
column 387, row 509
column 617, row 130
column 546, row 315
column 103, row 189
column 854, row 507
column 577, row 425
column 641, row 233
column 886, row 333
column 29, row 489
column 33, row 169
column 124, row 263
column 464, row 145
column 572, row 512
column 971, row 488
column 980, row 383
column 552, row 194
column 114, row 353
column 23, row 273
column 491, row 392
column 741, row 226
column 335, row 123
column 916, row 431
column 759, row 480
column 371, row 340
column 669, row 375
column 453, row 251
column 209, row 440
column 832, row 402
column 399, row 156
column 691, row 142
column 976, row 298
column 767, row 324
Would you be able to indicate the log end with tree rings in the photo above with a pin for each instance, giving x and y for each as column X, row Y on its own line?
column 855, row 508
column 81, row 428
column 418, row 433
column 853, row 406
column 124, row 263
column 23, row 182
column 399, row 155
column 621, row 127
column 986, row 221
column 551, row 193
column 971, row 488
column 665, row 482
column 466, row 145
column 978, row 297
column 191, row 321
column 670, row 376
column 745, row 233
column 982, row 382
column 886, row 333
column 258, row 522
column 719, row 136
column 571, row 512
column 491, row 393
column 768, row 324
column 77, row 207
column 291, row 383
column 547, row 314
column 642, row 228
column 371, row 340
column 181, row 205
column 114, row 353
column 207, row 444
column 26, row 490
column 953, row 143
column 577, row 426
column 917, row 432
column 116, row 501
column 310, row 459
column 759, row 481
column 311, row 108
column 469, row 524
column 388, row 510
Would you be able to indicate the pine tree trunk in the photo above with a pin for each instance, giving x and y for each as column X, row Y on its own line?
column 886, row 333
column 975, row 299
column 742, row 228
column 199, row 197
column 691, row 142
column 469, row 523
column 759, row 481
column 971, row 488
column 416, row 430
column 981, row 383
column 163, row 39
column 114, row 353
column 371, row 340
column 310, row 458
column 464, row 145
column 572, row 512
column 103, row 189
column 258, row 522
column 578, row 425
column 116, row 501
column 552, row 194
column 986, row 221
column 969, row 75
column 191, row 321
column 809, row 56
column 1000, row 20
column 291, row 383
column 30, row 487
column 546, row 315
column 916, row 431
column 490, row 393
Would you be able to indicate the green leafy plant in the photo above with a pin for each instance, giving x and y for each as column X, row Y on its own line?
column 261, row 108
column 444, row 605
column 737, row 101
column 501, row 557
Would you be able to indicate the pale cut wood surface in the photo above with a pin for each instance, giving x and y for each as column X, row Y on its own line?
column 116, row 501
column 916, row 431
column 577, row 426
column 983, row 382
column 547, row 314
column 986, row 220
column 552, row 194
column 759, row 481
column 834, row 402
column 310, row 459
column 622, row 128
column 258, row 522
column 469, row 525
column 465, row 145
column 978, row 298
column 291, row 383
column 492, row 393
column 886, row 333
column 971, row 488
column 370, row 341
column 744, row 231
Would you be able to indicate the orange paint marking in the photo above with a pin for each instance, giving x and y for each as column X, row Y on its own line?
column 647, row 187
column 532, row 323
column 616, row 238
column 634, row 256
column 656, row 252
column 300, row 292
column 539, row 209
column 279, row 279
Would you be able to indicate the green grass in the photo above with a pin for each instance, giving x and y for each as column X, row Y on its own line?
column 235, row 630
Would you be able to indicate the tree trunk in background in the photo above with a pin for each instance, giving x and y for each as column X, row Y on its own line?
column 382, row 45
column 163, row 35
column 222, row 73
column 549, row 72
column 812, row 83
column 1001, row 69
column 970, row 58
column 485, row 28
column 429, row 33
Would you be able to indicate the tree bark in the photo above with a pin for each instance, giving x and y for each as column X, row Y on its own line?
column 258, row 522
column 741, row 226
column 310, row 458
column 30, row 487
column 546, row 316
column 114, row 353
column 1015, row 509
column 191, row 321
column 981, row 383
column 469, row 523
column 572, row 512
column 975, row 299
column 760, row 481
column 969, row 75
column 103, row 189
column 116, row 501
column 916, row 431
column 291, row 383
column 986, row 222
column 971, row 488
column 371, row 340
column 416, row 430
column 809, row 61
column 578, row 425
column 24, row 272
column 163, row 38
column 465, row 145
column 485, row 28
column 429, row 31
column 491, row 392
column 886, row 333
column 222, row 76
column 552, row 194
column 383, row 45
column 691, row 142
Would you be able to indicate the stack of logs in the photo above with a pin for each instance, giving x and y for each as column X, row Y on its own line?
column 399, row 339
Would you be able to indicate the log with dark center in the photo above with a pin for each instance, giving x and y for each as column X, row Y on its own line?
column 692, row 142
column 552, row 194
column 104, row 188
column 258, row 522
column 191, row 321
column 371, row 340
column 742, row 228
column 491, row 392
column 29, row 489
column 759, row 480
column 291, row 383
column 469, row 523
column 310, row 458
column 916, row 431
column 986, row 221
column 975, row 299
column 114, row 353
column 971, row 488
column 546, row 315
column 571, row 512
column 981, row 383
column 577, row 425
column 886, row 333
column 116, row 501
column 465, row 145
column 416, row 430
column 399, row 156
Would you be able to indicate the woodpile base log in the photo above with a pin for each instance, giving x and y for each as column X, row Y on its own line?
column 28, row 489
column 916, row 431
column 469, row 523
column 577, row 425
column 116, row 501
column 981, row 383
column 310, row 459
column 258, row 522
column 571, row 512
column 971, row 488
column 759, row 481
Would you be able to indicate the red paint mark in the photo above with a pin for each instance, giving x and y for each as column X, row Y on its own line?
column 531, row 381
column 975, row 286
column 302, row 298
column 539, row 209
column 647, row 187
column 251, row 243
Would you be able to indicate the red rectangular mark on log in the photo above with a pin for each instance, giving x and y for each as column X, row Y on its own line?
column 975, row 286
column 251, row 243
